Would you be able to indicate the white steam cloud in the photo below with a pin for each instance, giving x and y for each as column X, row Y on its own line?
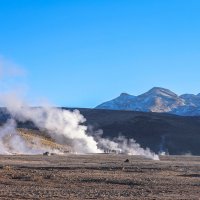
column 126, row 146
column 12, row 143
column 64, row 126
column 60, row 124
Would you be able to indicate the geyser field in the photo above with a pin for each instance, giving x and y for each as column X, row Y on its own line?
column 82, row 162
column 64, row 127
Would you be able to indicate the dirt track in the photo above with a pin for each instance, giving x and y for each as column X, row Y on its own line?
column 99, row 177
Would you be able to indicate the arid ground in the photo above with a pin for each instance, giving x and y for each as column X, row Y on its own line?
column 102, row 176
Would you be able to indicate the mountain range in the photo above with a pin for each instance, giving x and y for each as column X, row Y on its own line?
column 158, row 100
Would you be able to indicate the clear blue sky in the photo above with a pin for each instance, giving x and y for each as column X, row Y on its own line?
column 81, row 53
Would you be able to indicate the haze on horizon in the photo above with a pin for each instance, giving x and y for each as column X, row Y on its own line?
column 82, row 53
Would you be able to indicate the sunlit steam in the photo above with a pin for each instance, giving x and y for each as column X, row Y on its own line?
column 66, row 127
column 63, row 126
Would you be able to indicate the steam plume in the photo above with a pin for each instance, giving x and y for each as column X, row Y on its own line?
column 65, row 127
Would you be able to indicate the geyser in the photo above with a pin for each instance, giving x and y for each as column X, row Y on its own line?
column 65, row 127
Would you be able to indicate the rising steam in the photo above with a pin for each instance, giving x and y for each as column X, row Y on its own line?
column 59, row 124
column 126, row 146
column 64, row 126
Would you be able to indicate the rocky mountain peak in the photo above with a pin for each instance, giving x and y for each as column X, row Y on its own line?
column 124, row 94
column 157, row 99
column 161, row 91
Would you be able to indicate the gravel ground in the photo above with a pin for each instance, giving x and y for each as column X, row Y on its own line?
column 100, row 176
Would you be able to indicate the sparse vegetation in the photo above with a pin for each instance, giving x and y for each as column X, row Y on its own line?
column 99, row 176
column 36, row 137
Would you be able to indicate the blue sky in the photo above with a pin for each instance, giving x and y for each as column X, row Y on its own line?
column 81, row 53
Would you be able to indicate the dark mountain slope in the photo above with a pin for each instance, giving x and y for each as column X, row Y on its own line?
column 160, row 132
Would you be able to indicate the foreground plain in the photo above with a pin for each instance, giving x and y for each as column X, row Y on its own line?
column 99, row 176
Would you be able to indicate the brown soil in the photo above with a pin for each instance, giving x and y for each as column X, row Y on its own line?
column 99, row 177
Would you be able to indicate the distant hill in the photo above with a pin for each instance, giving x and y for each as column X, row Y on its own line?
column 159, row 131
column 157, row 99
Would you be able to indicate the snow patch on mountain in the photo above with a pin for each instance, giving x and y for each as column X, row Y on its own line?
column 120, row 103
column 157, row 99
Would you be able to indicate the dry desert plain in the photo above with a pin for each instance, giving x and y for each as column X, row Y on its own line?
column 99, row 176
